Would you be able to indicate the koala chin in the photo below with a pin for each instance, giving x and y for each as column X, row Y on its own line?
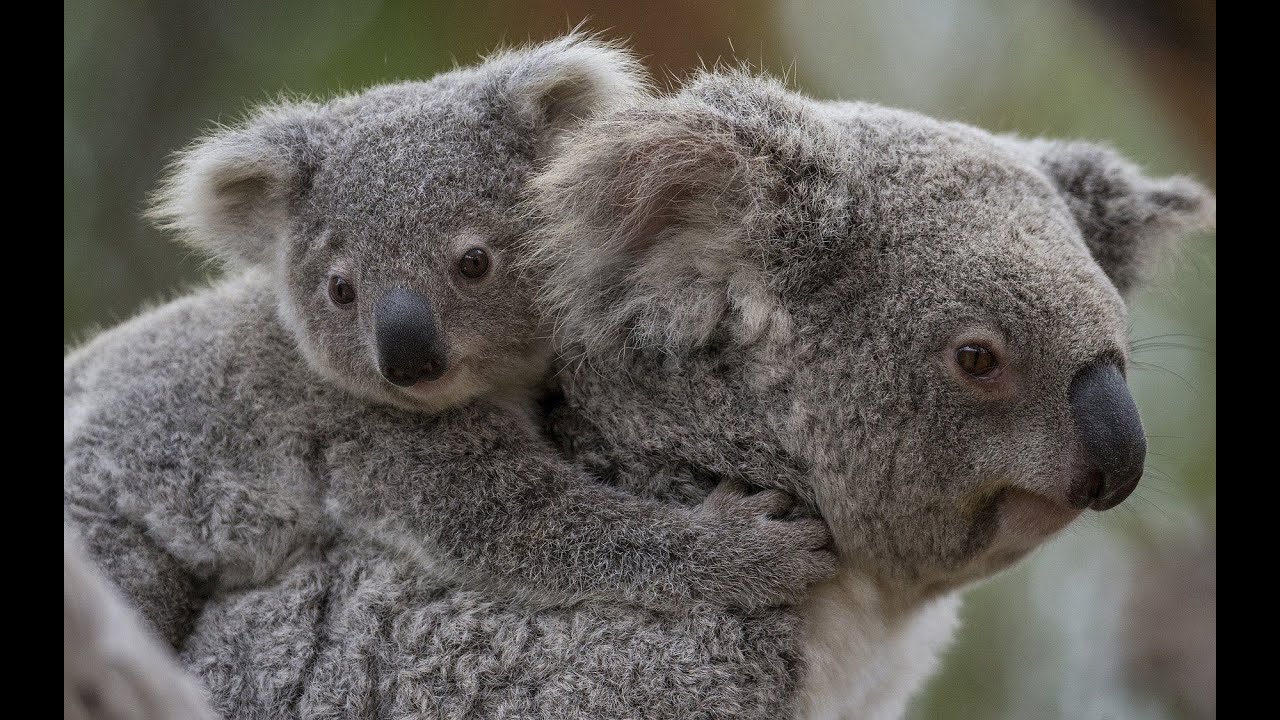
column 924, row 319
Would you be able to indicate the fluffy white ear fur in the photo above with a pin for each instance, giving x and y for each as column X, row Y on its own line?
column 228, row 193
column 1127, row 218
column 642, row 236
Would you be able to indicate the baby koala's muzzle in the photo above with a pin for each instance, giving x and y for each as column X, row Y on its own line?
column 410, row 345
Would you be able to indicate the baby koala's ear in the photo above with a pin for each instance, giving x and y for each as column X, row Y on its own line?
column 559, row 84
column 1126, row 217
column 229, row 193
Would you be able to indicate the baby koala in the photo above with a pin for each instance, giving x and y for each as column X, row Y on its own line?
column 369, row 367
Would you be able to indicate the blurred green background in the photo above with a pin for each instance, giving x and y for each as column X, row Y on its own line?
column 1113, row 619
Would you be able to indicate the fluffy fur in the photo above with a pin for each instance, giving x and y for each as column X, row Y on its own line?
column 787, row 282
column 215, row 444
column 747, row 283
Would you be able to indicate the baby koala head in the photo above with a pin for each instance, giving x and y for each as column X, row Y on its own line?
column 928, row 316
column 386, row 217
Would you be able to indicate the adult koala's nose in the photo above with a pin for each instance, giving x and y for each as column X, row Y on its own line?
column 1112, row 444
column 410, row 346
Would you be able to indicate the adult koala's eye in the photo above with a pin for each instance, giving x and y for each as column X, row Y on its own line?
column 976, row 360
column 340, row 291
column 474, row 263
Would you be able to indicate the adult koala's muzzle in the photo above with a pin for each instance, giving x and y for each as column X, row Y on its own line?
column 410, row 345
column 1112, row 443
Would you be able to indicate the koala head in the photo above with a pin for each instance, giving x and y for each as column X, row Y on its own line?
column 386, row 217
column 930, row 317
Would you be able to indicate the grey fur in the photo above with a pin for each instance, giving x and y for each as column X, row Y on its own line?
column 748, row 284
column 795, row 273
column 1125, row 217
column 213, row 444
column 789, row 277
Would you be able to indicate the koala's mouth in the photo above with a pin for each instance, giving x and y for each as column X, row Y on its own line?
column 448, row 390
column 426, row 387
column 1005, row 526
column 1033, row 516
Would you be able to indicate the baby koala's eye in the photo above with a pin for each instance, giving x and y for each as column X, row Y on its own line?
column 340, row 291
column 976, row 360
column 474, row 263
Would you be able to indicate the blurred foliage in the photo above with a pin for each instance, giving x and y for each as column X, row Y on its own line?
column 1066, row 634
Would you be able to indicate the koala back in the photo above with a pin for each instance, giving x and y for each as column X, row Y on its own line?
column 199, row 420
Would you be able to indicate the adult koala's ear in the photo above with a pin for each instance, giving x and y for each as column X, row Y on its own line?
column 641, row 238
column 558, row 84
column 1126, row 217
column 229, row 193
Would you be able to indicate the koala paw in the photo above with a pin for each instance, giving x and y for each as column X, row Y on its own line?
column 757, row 559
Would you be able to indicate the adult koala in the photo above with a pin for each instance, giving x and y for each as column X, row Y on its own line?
column 926, row 320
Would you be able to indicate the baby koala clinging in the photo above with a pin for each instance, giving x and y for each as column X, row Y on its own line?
column 369, row 367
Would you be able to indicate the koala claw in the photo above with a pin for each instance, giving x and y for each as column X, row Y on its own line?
column 772, row 561
column 731, row 494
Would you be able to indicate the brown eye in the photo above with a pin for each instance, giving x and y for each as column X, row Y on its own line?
column 474, row 263
column 976, row 360
column 340, row 291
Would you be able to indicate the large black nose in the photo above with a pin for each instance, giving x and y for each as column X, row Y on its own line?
column 1110, row 435
column 410, row 345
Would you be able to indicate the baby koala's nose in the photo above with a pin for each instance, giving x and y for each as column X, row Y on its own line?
column 409, row 343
